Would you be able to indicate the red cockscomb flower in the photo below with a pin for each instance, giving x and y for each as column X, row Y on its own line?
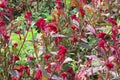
column 74, row 28
column 61, row 53
column 64, row 76
column 74, row 40
column 74, row 17
column 0, row 14
column 50, row 27
column 28, row 15
column 59, row 7
column 101, row 44
column 48, row 69
column 46, row 56
column 114, row 34
column 58, row 2
column 3, row 4
column 57, row 40
column 2, row 23
column 14, row 78
column 4, row 33
column 101, row 35
column 6, row 37
column 114, row 31
column 40, row 23
column 111, row 20
column 109, row 65
column 82, row 12
column 62, row 50
column 38, row 75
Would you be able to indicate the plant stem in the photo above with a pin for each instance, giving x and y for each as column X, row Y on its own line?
column 23, row 43
column 34, row 43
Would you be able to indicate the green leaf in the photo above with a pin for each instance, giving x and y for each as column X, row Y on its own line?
column 68, row 3
column 118, row 20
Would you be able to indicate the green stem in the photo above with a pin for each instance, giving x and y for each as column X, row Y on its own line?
column 33, row 42
column 37, row 5
column 23, row 43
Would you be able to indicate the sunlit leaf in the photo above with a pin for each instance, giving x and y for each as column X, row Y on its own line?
column 91, row 29
column 93, row 70
column 14, row 73
column 46, row 75
column 76, row 23
column 67, row 60
column 54, row 77
column 84, row 40
column 84, row 45
column 57, row 35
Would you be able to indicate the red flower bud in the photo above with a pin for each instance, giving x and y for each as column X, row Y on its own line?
column 101, row 35
column 62, row 50
column 64, row 76
column 114, row 31
column 74, row 28
column 109, row 65
column 3, row 4
column 74, row 17
column 82, row 12
column 27, row 70
column 48, row 68
column 46, row 56
column 50, row 27
column 2, row 23
column 74, row 40
column 0, row 14
column 38, row 75
column 111, row 20
column 28, row 15
column 15, row 45
column 101, row 43
column 15, row 57
column 57, row 40
column 29, row 58
column 14, row 78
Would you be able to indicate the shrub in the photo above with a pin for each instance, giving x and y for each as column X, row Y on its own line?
column 77, row 40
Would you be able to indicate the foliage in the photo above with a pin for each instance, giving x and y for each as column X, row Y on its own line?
column 59, row 40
